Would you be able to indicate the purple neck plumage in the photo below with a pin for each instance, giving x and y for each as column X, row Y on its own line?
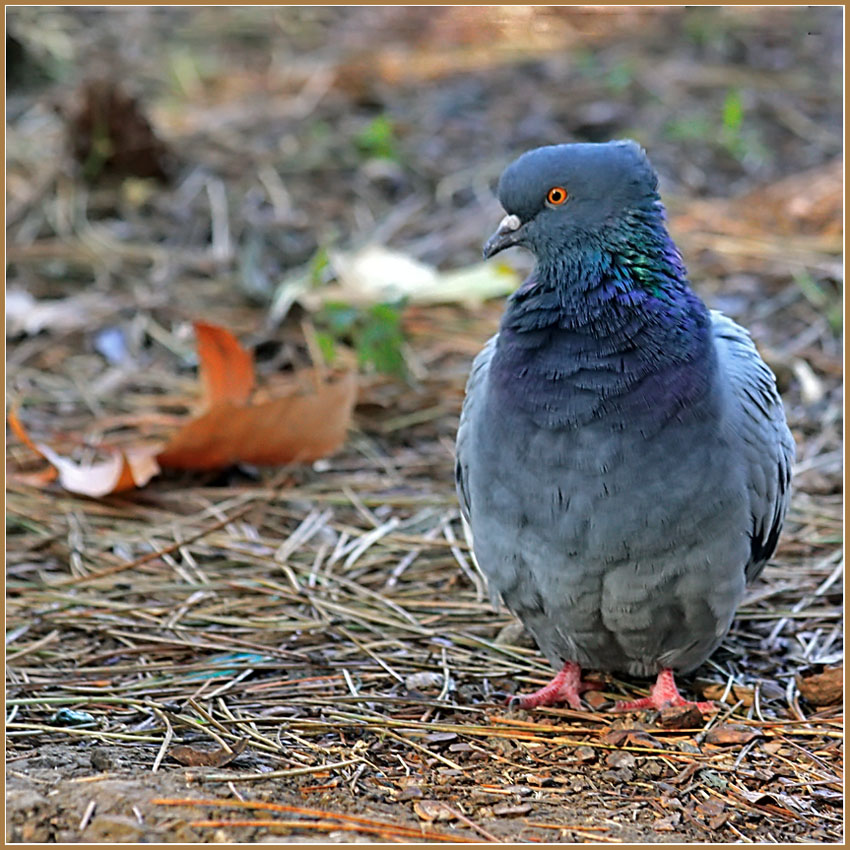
column 614, row 334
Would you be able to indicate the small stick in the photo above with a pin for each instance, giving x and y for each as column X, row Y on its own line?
column 87, row 815
column 169, row 734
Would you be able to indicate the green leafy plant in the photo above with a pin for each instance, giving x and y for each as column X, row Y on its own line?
column 732, row 124
column 739, row 140
column 319, row 262
column 378, row 139
column 733, row 112
column 375, row 332
column 727, row 131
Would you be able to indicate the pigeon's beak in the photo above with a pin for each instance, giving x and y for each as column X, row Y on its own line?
column 508, row 233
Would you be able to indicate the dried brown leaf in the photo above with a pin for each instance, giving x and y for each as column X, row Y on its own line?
column 595, row 699
column 433, row 810
column 294, row 425
column 194, row 757
column 825, row 688
column 639, row 738
column 620, row 759
column 731, row 734
column 680, row 717
column 616, row 737
column 716, row 690
column 297, row 427
column 714, row 812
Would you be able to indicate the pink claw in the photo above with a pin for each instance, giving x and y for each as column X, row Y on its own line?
column 663, row 694
column 565, row 687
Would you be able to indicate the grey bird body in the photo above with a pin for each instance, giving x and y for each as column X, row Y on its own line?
column 624, row 468
column 627, row 548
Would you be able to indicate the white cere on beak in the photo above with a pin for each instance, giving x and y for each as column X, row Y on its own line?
column 509, row 222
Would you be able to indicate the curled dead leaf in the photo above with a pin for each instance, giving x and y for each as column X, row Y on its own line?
column 226, row 369
column 731, row 734
column 123, row 470
column 299, row 427
column 618, row 759
column 194, row 757
column 639, row 738
column 433, row 810
column 680, row 717
column 825, row 688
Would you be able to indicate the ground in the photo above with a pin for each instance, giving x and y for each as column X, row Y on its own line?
column 308, row 647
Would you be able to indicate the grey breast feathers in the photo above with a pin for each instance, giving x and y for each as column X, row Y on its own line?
column 757, row 418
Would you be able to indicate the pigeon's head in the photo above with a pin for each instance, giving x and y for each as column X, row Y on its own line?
column 563, row 197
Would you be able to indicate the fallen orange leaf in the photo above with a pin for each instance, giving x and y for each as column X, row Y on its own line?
column 225, row 368
column 296, row 427
column 122, row 471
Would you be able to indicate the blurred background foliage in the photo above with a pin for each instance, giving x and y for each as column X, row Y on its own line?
column 328, row 125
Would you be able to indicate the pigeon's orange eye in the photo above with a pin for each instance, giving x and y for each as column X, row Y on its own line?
column 556, row 195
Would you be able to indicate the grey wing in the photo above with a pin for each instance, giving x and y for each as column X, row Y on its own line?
column 472, row 404
column 768, row 444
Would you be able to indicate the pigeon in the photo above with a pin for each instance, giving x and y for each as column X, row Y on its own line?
column 623, row 457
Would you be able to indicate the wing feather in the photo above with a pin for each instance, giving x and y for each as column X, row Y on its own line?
column 472, row 403
column 768, row 444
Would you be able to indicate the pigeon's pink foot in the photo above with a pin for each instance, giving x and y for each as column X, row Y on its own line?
column 565, row 687
column 664, row 694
